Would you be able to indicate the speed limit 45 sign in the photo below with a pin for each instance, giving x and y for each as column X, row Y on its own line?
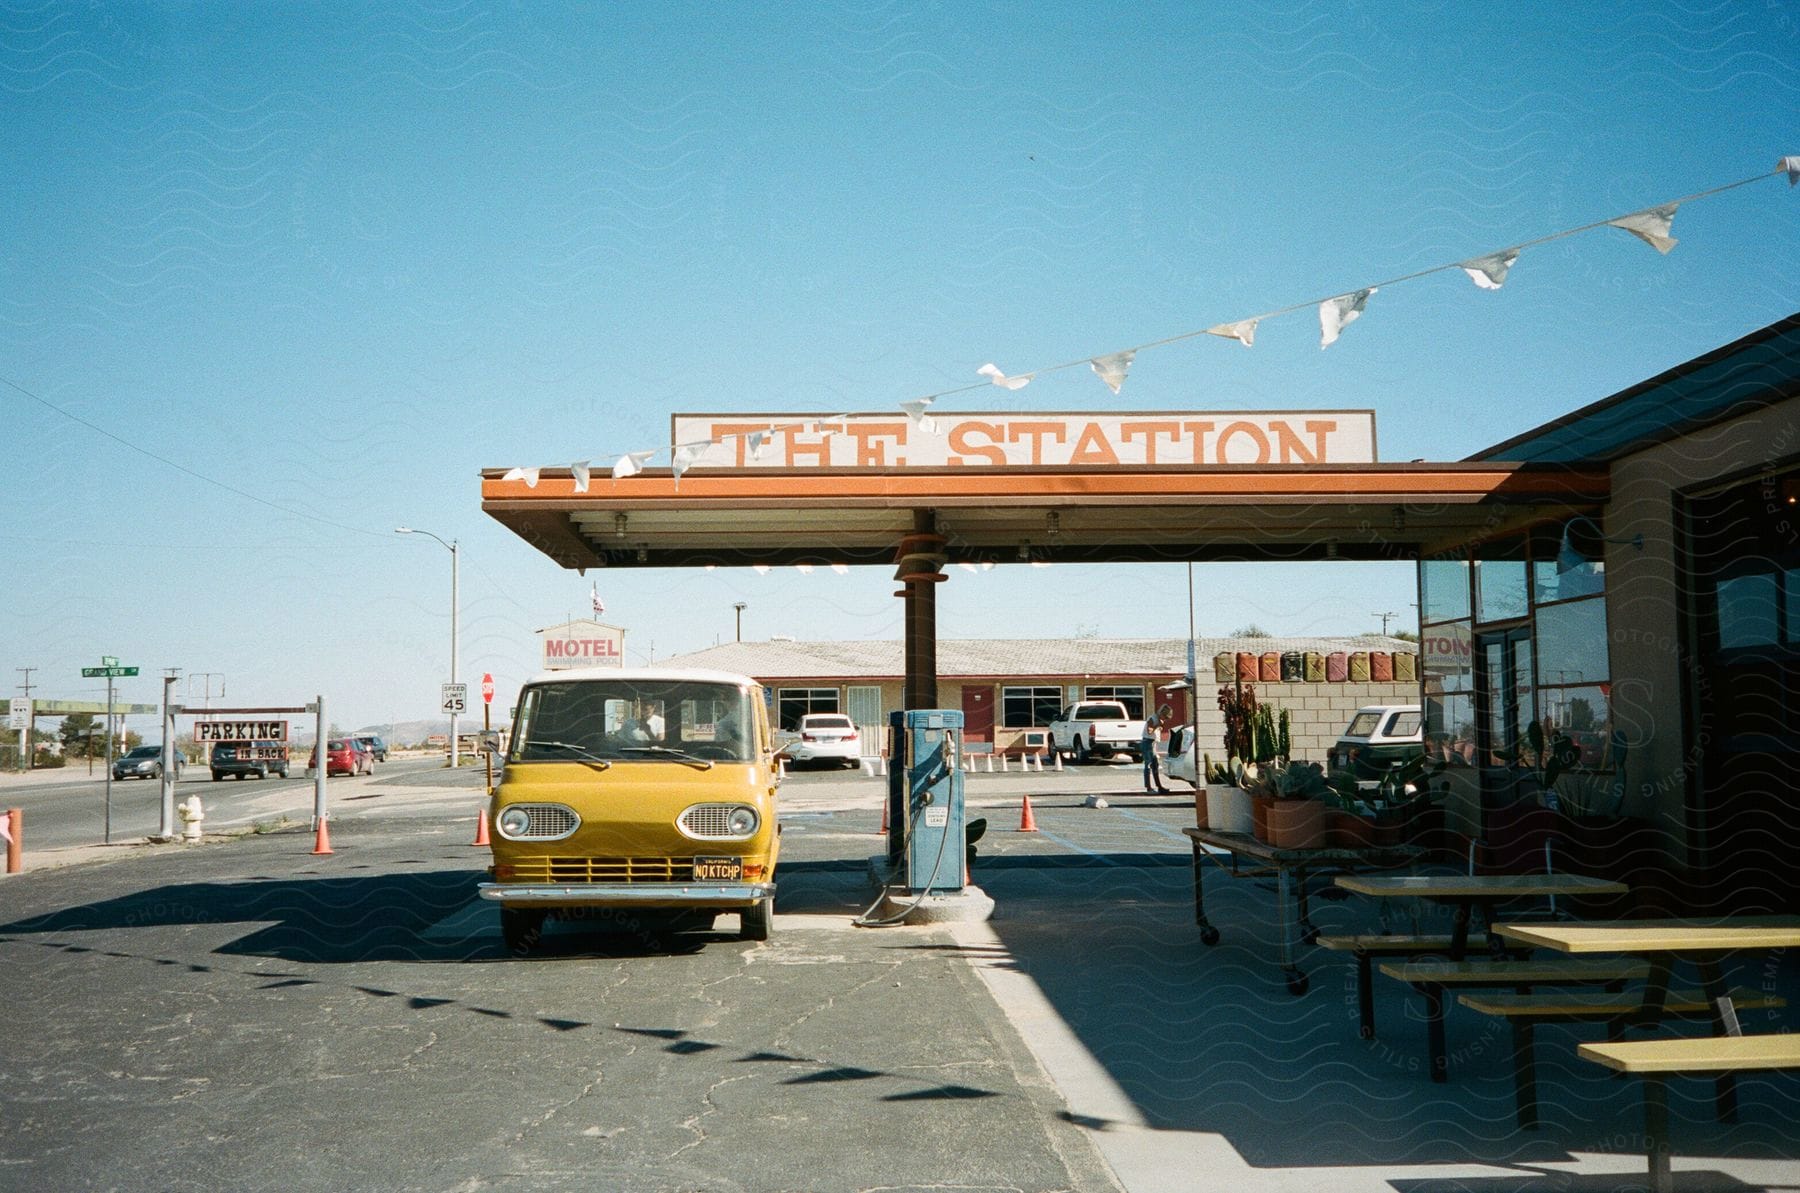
column 453, row 697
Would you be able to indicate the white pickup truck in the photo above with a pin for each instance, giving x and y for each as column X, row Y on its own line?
column 1090, row 727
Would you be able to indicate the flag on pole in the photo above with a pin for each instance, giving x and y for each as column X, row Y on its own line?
column 599, row 605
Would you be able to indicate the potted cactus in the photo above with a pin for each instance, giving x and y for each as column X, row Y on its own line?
column 1298, row 803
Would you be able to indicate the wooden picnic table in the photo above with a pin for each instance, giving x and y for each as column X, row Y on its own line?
column 1664, row 942
column 1469, row 892
column 1291, row 868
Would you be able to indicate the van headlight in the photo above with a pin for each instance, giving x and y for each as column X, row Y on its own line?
column 537, row 822
column 743, row 822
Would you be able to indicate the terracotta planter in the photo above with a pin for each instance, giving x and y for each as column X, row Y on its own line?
column 1297, row 824
column 1349, row 831
column 1259, row 818
column 1227, row 809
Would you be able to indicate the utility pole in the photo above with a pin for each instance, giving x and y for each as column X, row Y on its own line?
column 1385, row 618
column 25, row 733
column 170, row 767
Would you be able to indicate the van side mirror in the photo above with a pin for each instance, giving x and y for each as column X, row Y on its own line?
column 488, row 741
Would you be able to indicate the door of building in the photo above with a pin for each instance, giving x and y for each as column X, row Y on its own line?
column 978, row 713
column 863, row 705
column 1504, row 706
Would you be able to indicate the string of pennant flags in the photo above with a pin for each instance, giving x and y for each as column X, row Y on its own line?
column 1489, row 271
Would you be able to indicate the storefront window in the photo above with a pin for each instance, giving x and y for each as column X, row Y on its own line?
column 1572, row 642
column 1444, row 584
column 1447, row 654
column 1748, row 611
column 795, row 703
column 1569, row 563
column 1500, row 589
column 1029, row 708
column 1130, row 695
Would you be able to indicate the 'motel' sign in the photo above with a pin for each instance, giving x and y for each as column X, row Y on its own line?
column 582, row 651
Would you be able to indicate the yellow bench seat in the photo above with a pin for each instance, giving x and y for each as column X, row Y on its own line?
column 1599, row 1004
column 1700, row 1054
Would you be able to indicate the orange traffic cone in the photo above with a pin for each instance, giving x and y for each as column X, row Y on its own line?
column 322, row 840
column 481, row 837
column 1027, row 822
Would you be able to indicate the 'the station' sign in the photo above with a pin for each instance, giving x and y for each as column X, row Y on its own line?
column 1035, row 440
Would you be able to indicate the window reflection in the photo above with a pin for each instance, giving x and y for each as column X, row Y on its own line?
column 1572, row 643
column 1445, row 585
column 1499, row 589
column 1747, row 611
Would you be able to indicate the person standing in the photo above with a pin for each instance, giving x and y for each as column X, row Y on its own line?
column 1147, row 749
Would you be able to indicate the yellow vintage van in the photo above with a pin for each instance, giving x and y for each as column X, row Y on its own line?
column 649, row 792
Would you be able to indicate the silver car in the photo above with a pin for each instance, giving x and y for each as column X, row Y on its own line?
column 145, row 762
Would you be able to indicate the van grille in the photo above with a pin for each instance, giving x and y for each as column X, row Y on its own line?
column 709, row 822
column 603, row 869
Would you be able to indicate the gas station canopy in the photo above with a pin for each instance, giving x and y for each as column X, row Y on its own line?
column 1058, row 515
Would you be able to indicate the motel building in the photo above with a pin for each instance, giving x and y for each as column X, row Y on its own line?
column 1009, row 690
column 1627, row 574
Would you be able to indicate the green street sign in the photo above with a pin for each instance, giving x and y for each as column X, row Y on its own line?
column 107, row 660
column 107, row 672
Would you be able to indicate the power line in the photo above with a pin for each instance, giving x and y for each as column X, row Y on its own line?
column 182, row 468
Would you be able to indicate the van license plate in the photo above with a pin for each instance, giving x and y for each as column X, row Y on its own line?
column 718, row 869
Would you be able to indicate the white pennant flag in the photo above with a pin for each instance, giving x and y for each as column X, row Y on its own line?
column 599, row 605
column 805, row 569
column 1651, row 227
column 579, row 470
column 1792, row 166
column 630, row 464
column 1112, row 368
column 1243, row 331
column 528, row 475
column 842, row 569
column 758, row 442
column 684, row 458
column 992, row 372
column 1489, row 272
column 915, row 414
column 1335, row 314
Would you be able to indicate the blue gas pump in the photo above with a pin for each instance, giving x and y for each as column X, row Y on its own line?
column 925, row 798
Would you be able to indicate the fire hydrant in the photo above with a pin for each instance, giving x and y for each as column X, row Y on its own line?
column 191, row 814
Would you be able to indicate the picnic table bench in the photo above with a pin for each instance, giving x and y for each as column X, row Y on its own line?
column 1727, row 1052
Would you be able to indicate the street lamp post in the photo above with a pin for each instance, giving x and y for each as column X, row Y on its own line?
column 455, row 555
column 740, row 606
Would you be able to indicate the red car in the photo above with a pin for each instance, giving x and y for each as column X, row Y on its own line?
column 343, row 756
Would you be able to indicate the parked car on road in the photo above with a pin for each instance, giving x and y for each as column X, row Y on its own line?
column 374, row 745
column 825, row 737
column 343, row 756
column 1378, row 737
column 1089, row 728
column 145, row 762
column 240, row 758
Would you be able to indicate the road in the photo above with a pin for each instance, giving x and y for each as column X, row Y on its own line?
column 62, row 811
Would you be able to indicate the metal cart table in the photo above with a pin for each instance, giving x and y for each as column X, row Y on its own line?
column 1291, row 868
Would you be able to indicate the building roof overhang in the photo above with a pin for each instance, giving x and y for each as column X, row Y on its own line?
column 1013, row 515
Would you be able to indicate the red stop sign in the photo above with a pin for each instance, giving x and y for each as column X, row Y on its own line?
column 487, row 689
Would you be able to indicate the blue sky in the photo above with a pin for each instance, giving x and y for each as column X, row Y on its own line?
column 342, row 257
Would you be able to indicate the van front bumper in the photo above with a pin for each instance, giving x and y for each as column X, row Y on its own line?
column 663, row 894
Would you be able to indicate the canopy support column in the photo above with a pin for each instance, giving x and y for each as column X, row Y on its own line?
column 919, row 567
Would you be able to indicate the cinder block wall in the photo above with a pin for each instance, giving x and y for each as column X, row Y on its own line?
column 1317, row 712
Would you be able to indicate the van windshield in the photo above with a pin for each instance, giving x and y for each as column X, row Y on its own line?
column 636, row 720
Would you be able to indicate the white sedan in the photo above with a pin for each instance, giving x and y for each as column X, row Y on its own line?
column 825, row 737
column 1179, row 761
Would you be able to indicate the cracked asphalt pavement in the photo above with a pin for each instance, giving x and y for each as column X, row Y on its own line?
column 243, row 1015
